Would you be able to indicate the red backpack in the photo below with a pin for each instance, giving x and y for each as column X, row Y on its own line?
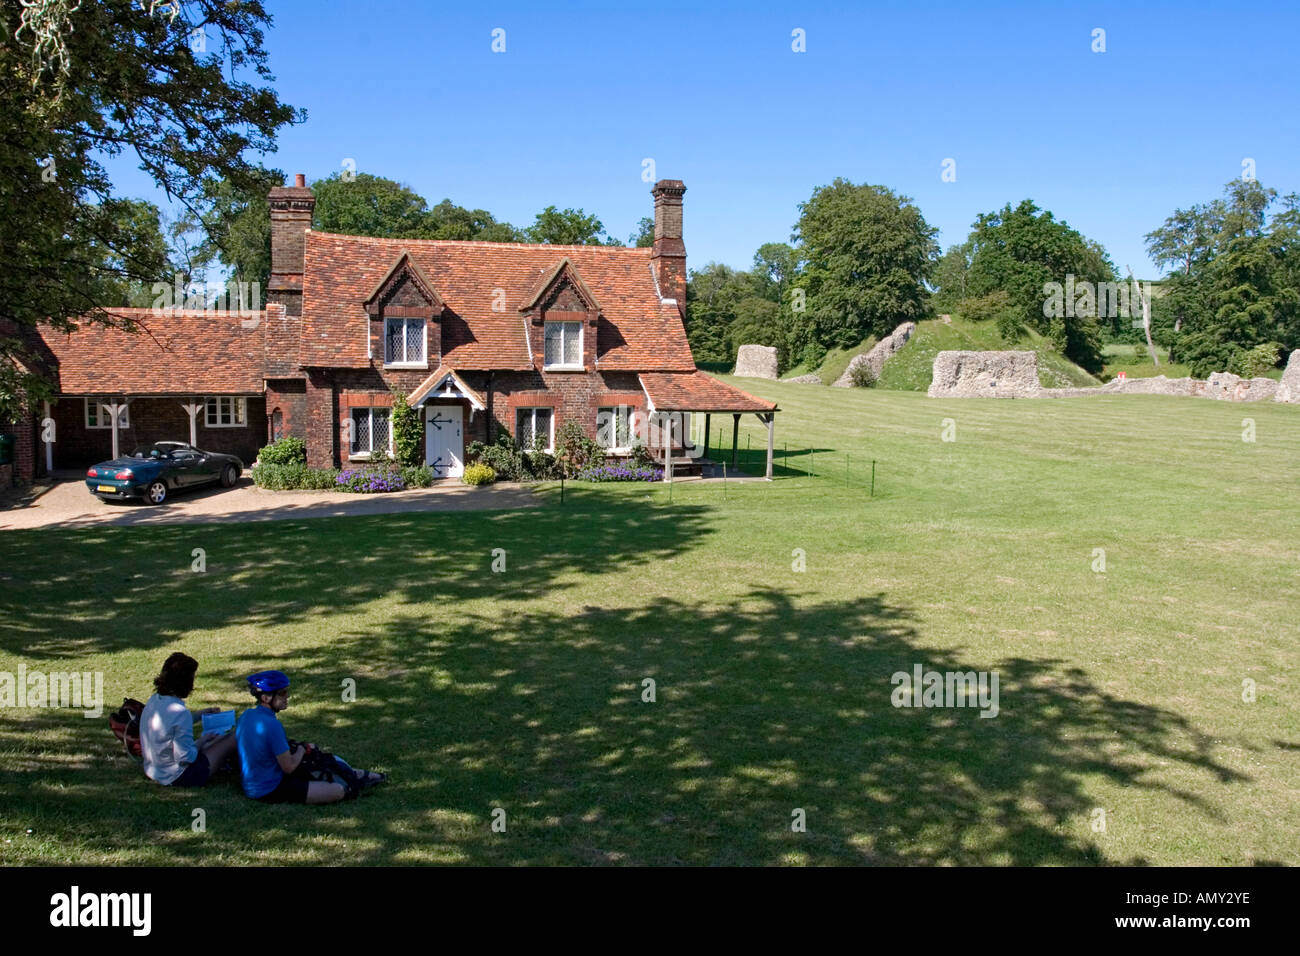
column 125, row 724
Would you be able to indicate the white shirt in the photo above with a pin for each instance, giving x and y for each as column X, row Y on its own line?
column 166, row 738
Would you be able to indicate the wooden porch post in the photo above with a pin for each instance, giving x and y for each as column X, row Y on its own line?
column 771, row 435
column 114, row 409
column 708, row 417
column 735, row 438
column 193, row 408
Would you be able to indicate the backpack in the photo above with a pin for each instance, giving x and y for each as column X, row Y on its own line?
column 322, row 765
column 125, row 724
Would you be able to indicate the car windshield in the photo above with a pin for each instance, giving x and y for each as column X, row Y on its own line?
column 153, row 451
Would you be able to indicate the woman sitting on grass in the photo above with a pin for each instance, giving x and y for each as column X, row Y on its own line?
column 273, row 771
column 167, row 745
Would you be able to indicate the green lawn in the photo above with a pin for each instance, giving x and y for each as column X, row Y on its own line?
column 1135, row 362
column 1119, row 691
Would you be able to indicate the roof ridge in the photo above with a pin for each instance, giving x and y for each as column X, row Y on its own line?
column 388, row 240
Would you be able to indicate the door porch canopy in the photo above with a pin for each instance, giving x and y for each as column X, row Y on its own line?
column 445, row 383
column 699, row 392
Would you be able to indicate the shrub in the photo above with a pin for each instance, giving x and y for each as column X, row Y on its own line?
column 286, row 451
column 370, row 480
column 620, row 473
column 419, row 476
column 814, row 353
column 502, row 457
column 1250, row 363
column 408, row 431
column 479, row 474
column 1010, row 327
column 540, row 466
column 861, row 376
column 641, row 457
column 295, row 477
column 985, row 307
column 575, row 451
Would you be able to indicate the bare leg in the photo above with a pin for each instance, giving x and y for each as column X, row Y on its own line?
column 321, row 792
column 219, row 749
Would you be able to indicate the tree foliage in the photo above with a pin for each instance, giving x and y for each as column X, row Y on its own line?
column 93, row 81
column 869, row 253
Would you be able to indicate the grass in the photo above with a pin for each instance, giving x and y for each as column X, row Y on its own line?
column 835, row 363
column 1135, row 362
column 1119, row 691
column 912, row 367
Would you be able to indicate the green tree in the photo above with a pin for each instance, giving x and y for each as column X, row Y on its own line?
column 80, row 83
column 449, row 221
column 644, row 237
column 869, row 254
column 950, row 275
column 566, row 227
column 1021, row 251
column 367, row 205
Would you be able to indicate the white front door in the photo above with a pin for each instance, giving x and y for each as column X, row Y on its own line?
column 444, row 443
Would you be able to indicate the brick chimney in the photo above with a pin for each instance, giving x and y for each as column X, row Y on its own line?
column 291, row 212
column 668, row 256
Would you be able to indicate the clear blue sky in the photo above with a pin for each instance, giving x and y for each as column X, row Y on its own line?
column 1111, row 142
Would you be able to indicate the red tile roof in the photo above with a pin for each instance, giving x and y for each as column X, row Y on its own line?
column 172, row 353
column 638, row 331
column 698, row 392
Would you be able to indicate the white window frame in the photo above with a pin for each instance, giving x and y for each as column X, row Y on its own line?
column 123, row 416
column 631, row 411
column 424, row 348
column 564, row 335
column 370, row 429
column 533, row 410
column 238, row 408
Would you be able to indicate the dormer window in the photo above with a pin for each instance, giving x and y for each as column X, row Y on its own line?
column 563, row 345
column 404, row 342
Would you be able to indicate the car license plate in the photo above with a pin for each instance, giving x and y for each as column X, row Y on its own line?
column 108, row 488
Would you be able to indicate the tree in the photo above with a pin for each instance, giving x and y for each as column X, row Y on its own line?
column 950, row 276
column 369, row 205
column 776, row 265
column 566, row 227
column 644, row 237
column 869, row 254
column 81, row 82
column 1022, row 251
column 711, row 297
column 238, row 226
column 449, row 221
column 1235, row 287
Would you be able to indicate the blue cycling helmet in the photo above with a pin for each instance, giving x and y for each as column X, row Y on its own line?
column 267, row 682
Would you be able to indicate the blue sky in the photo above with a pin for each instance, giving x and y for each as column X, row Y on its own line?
column 1111, row 142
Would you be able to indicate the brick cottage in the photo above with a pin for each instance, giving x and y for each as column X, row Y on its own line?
column 480, row 335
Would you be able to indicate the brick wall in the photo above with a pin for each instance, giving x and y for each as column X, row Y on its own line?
column 151, row 419
column 289, row 398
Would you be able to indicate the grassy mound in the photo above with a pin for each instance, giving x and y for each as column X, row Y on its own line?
column 913, row 366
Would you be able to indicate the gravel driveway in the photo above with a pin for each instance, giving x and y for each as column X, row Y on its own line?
column 67, row 504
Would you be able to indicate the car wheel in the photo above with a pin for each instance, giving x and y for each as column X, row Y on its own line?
column 157, row 492
column 229, row 476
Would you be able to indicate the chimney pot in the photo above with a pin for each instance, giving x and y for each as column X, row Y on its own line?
column 300, row 180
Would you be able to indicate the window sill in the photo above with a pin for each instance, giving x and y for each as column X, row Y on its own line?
column 239, row 425
column 401, row 365
column 564, row 368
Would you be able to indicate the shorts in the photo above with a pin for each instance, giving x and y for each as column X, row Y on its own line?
column 291, row 789
column 196, row 774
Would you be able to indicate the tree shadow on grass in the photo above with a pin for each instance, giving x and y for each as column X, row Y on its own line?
column 766, row 702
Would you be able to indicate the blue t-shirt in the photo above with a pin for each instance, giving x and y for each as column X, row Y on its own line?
column 260, row 736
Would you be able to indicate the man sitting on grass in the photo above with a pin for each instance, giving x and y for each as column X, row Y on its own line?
column 272, row 771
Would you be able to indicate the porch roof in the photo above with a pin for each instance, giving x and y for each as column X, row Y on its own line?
column 168, row 353
column 698, row 392
column 425, row 389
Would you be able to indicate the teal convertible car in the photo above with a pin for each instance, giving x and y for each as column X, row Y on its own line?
column 153, row 472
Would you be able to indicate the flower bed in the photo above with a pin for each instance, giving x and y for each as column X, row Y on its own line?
column 366, row 481
column 621, row 473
